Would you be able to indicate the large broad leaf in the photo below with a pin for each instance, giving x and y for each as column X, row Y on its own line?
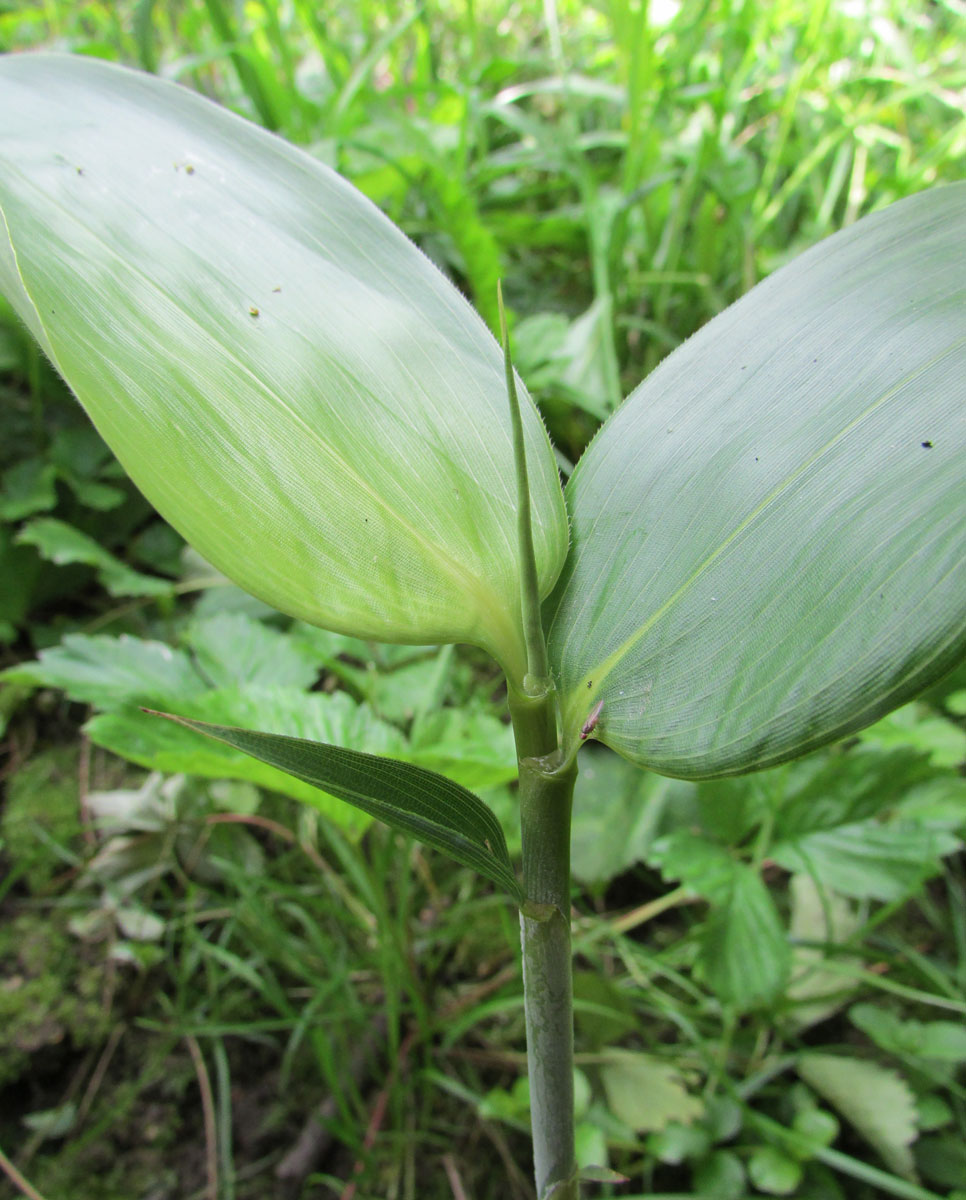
column 428, row 806
column 291, row 383
column 768, row 538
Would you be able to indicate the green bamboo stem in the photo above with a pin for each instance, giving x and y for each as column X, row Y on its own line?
column 546, row 798
column 546, row 795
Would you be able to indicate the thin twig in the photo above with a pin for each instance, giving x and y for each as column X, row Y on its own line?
column 453, row 1175
column 208, row 1110
column 647, row 912
column 17, row 1179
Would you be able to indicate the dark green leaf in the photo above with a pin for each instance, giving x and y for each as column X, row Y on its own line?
column 421, row 803
column 745, row 953
column 61, row 543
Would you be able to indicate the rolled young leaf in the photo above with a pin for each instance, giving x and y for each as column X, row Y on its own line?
column 284, row 375
column 429, row 807
column 769, row 537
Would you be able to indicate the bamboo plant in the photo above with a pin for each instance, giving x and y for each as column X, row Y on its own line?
column 761, row 551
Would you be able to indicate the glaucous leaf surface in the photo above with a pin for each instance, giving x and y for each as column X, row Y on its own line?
column 769, row 537
column 421, row 803
column 283, row 374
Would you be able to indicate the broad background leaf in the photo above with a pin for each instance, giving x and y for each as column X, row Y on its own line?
column 768, row 538
column 285, row 376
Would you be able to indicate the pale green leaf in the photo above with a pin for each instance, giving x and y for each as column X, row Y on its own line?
column 818, row 917
column 286, row 377
column 647, row 1093
column 769, row 537
column 876, row 1101
column 944, row 1041
column 773, row 1172
column 110, row 672
column 421, row 803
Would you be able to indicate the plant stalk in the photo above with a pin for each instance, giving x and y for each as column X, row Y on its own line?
column 546, row 795
column 546, row 799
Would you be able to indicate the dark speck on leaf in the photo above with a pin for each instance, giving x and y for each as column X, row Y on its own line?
column 590, row 683
column 926, row 445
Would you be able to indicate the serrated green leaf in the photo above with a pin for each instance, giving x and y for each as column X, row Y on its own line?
column 944, row 1041
column 233, row 650
column 941, row 740
column 646, row 1093
column 869, row 859
column 769, row 537
column 745, row 953
column 827, row 793
column 421, row 803
column 61, row 543
column 721, row 1176
column 28, row 488
column 110, row 672
column 876, row 1101
column 282, row 373
column 700, row 864
column 470, row 747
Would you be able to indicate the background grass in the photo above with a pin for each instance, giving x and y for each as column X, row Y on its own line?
column 194, row 968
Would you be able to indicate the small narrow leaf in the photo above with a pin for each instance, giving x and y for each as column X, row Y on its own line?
column 421, row 803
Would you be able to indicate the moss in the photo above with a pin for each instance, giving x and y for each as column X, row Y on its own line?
column 41, row 813
column 48, row 994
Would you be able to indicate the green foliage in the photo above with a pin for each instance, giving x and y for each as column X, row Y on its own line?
column 40, row 823
column 50, row 992
column 877, row 1102
column 628, row 171
column 419, row 802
